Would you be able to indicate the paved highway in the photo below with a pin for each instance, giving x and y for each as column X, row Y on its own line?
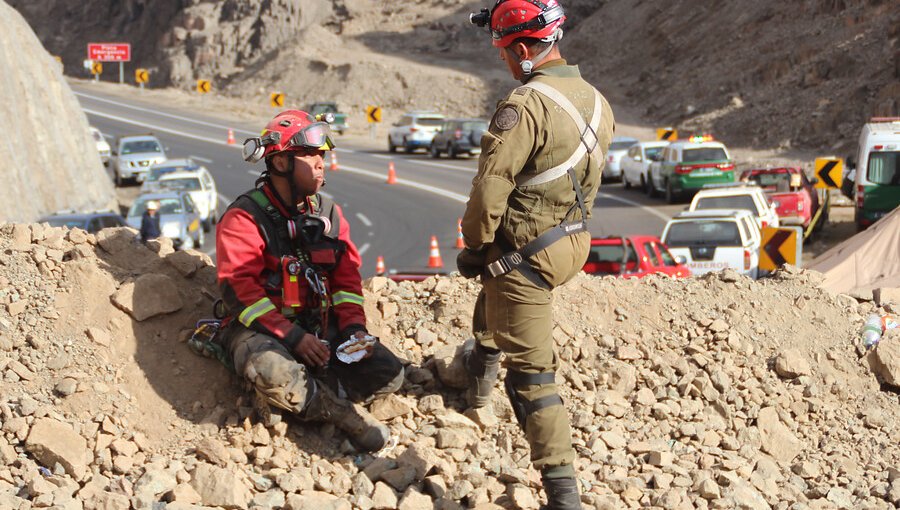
column 394, row 221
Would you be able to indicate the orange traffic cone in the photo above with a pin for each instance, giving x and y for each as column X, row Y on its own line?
column 379, row 266
column 334, row 164
column 392, row 174
column 231, row 137
column 460, row 242
column 434, row 256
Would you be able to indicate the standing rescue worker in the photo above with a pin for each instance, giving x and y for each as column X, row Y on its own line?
column 150, row 222
column 290, row 283
column 524, row 226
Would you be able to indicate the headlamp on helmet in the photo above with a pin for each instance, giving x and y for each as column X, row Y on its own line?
column 480, row 19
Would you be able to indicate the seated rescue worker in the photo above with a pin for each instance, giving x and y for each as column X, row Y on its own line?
column 289, row 277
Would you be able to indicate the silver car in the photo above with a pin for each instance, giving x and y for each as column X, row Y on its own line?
column 133, row 156
column 179, row 219
column 617, row 149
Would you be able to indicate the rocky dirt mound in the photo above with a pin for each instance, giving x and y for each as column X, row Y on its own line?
column 717, row 392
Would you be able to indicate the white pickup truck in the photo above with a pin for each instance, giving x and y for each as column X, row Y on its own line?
column 714, row 240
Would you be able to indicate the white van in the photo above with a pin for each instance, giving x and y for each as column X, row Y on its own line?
column 741, row 196
column 877, row 179
column 714, row 240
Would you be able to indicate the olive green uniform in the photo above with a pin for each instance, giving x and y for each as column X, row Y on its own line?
column 529, row 134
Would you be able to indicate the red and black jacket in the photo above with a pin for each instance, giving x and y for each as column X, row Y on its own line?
column 252, row 238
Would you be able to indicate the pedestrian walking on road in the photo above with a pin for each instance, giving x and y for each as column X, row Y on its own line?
column 524, row 227
column 289, row 277
column 150, row 222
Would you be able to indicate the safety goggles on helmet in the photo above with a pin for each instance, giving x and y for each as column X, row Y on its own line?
column 547, row 17
column 314, row 136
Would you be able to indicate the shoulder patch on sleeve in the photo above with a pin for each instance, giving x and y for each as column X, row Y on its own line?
column 506, row 118
column 521, row 91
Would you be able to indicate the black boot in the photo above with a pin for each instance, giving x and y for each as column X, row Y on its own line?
column 482, row 364
column 562, row 494
column 364, row 431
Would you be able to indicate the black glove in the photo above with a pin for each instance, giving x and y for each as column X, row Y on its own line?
column 471, row 262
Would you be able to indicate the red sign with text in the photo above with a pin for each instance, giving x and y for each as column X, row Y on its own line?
column 109, row 52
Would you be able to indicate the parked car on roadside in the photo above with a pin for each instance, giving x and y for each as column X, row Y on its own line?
column 132, row 157
column 636, row 163
column 632, row 257
column 102, row 145
column 617, row 150
column 151, row 181
column 178, row 218
column 415, row 130
column 457, row 137
column 688, row 165
column 714, row 240
column 339, row 122
column 202, row 188
column 791, row 193
column 92, row 222
column 741, row 196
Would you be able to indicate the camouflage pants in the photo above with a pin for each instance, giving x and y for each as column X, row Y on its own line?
column 516, row 316
column 287, row 383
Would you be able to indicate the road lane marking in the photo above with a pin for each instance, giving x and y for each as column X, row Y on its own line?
column 363, row 249
column 162, row 114
column 198, row 158
column 158, row 128
column 632, row 203
column 428, row 163
column 412, row 184
column 365, row 221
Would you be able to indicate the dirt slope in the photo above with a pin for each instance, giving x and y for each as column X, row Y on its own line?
column 48, row 159
column 718, row 392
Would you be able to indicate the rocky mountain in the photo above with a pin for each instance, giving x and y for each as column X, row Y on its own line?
column 769, row 74
column 49, row 159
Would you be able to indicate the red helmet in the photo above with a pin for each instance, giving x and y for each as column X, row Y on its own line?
column 289, row 130
column 512, row 19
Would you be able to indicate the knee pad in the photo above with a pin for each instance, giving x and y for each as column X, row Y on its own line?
column 522, row 407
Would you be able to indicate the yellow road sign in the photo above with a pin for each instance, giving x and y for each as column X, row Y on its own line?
column 141, row 75
column 778, row 247
column 204, row 86
column 276, row 99
column 667, row 134
column 97, row 68
column 830, row 172
column 373, row 114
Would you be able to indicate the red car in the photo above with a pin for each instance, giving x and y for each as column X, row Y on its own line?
column 632, row 257
column 794, row 197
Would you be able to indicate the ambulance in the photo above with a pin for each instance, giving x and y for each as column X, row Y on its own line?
column 877, row 179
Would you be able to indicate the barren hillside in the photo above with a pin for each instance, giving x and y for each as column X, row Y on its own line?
column 767, row 73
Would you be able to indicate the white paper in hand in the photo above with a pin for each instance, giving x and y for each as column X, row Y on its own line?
column 358, row 348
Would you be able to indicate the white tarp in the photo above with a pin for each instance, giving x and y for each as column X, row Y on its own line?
column 868, row 260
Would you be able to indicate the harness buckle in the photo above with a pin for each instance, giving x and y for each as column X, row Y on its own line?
column 498, row 267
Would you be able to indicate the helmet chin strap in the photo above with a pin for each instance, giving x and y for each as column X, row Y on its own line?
column 289, row 176
column 528, row 65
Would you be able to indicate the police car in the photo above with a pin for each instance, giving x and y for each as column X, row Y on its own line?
column 715, row 240
column 688, row 165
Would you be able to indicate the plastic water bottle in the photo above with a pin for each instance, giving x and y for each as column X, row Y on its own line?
column 872, row 331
